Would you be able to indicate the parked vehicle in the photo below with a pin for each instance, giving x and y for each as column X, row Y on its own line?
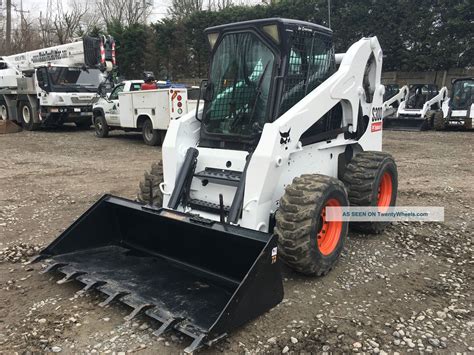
column 131, row 109
column 54, row 85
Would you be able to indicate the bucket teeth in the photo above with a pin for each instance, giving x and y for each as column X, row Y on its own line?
column 52, row 267
column 137, row 310
column 167, row 326
column 195, row 345
column 112, row 297
column 70, row 276
column 90, row 285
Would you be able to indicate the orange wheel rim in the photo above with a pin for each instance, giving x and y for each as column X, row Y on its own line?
column 385, row 192
column 330, row 232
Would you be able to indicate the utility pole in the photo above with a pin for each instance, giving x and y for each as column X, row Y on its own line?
column 8, row 43
column 329, row 13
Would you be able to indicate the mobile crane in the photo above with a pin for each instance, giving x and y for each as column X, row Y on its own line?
column 54, row 85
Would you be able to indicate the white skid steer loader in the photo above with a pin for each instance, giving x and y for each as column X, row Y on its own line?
column 458, row 110
column 416, row 111
column 245, row 181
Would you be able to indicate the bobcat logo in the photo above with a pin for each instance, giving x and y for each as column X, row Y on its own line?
column 285, row 137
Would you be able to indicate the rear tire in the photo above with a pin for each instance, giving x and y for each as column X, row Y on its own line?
column 26, row 113
column 371, row 179
column 101, row 127
column 306, row 241
column 149, row 192
column 150, row 136
column 439, row 123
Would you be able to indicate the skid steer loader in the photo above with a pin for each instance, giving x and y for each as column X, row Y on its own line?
column 416, row 111
column 245, row 180
column 458, row 110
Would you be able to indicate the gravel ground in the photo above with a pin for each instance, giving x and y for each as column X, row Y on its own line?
column 409, row 289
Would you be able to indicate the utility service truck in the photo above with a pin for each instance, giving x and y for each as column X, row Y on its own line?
column 131, row 109
column 55, row 85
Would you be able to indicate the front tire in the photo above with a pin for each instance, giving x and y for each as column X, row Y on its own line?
column 439, row 123
column 308, row 242
column 101, row 127
column 149, row 192
column 371, row 179
column 27, row 121
column 150, row 136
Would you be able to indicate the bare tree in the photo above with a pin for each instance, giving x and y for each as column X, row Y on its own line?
column 67, row 22
column 183, row 8
column 126, row 12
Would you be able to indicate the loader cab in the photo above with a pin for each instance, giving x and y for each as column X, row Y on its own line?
column 462, row 94
column 258, row 70
column 419, row 94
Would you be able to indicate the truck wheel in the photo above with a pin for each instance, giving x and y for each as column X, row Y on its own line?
column 3, row 111
column 307, row 242
column 149, row 192
column 439, row 123
column 150, row 136
column 371, row 179
column 101, row 127
column 26, row 113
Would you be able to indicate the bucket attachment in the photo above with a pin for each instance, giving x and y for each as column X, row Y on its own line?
column 7, row 126
column 405, row 124
column 194, row 275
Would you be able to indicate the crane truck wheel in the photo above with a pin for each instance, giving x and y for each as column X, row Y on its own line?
column 371, row 179
column 439, row 123
column 150, row 136
column 26, row 113
column 307, row 241
column 149, row 192
column 101, row 127
column 3, row 111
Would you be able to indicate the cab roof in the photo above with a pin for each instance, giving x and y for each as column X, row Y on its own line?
column 288, row 23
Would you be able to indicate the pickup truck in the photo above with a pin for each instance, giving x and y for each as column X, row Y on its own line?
column 131, row 109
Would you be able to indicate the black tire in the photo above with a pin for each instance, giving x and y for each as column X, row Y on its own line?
column 299, row 224
column 149, row 190
column 150, row 136
column 3, row 111
column 86, row 124
column 26, row 114
column 101, row 127
column 439, row 122
column 429, row 121
column 363, row 178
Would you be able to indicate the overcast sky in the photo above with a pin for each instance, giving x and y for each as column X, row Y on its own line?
column 35, row 6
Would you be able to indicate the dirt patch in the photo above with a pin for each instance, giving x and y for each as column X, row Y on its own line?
column 409, row 289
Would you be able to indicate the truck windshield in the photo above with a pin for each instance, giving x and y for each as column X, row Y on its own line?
column 75, row 79
column 240, row 78
column 463, row 94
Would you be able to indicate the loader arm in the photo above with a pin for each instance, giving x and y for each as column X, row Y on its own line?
column 399, row 97
column 442, row 96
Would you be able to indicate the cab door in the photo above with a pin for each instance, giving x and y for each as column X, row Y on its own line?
column 112, row 108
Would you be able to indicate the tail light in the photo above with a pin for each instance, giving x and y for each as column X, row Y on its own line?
column 114, row 61
column 102, row 52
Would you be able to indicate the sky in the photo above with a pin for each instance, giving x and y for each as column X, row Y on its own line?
column 35, row 6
